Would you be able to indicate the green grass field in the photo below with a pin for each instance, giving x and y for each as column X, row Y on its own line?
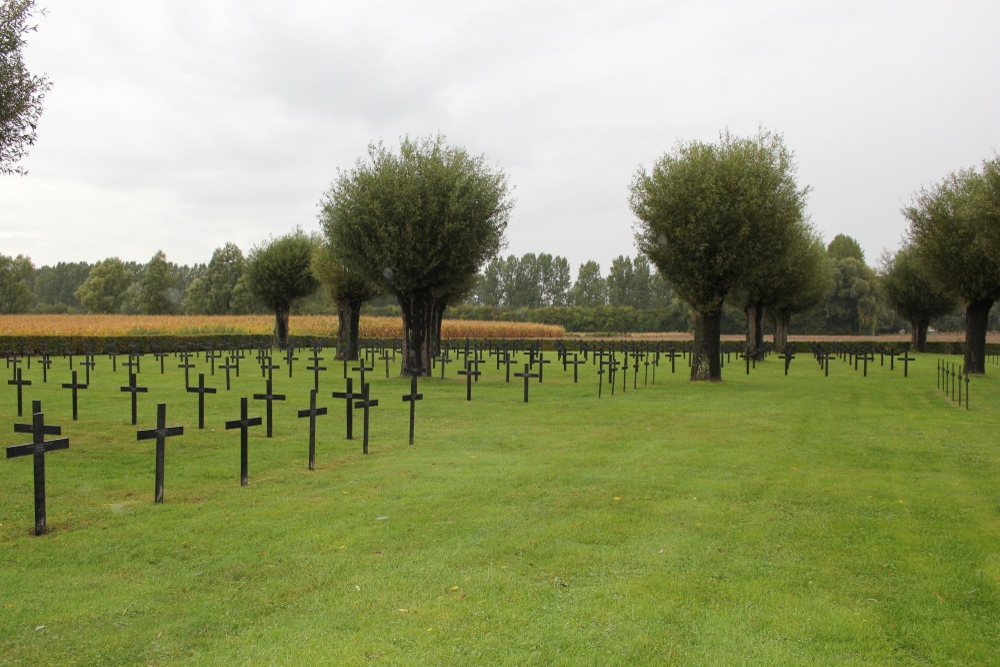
column 762, row 520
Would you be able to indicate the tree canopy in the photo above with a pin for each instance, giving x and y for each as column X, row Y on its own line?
column 104, row 289
column 419, row 224
column 709, row 215
column 349, row 291
column 953, row 228
column 212, row 292
column 280, row 271
column 912, row 294
column 15, row 284
column 21, row 93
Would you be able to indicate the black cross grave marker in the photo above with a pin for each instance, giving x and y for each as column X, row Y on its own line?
column 20, row 384
column 312, row 413
column 541, row 361
column 906, row 359
column 160, row 433
column 132, row 364
column 444, row 361
column 349, row 396
column 365, row 404
column 364, row 369
column 75, row 386
column 576, row 365
column 413, row 397
column 267, row 368
column 212, row 355
column 201, row 390
column 527, row 375
column 316, row 368
column 386, row 357
column 45, row 361
column 160, row 356
column 38, row 446
column 243, row 423
column 469, row 373
column 229, row 366
column 289, row 358
column 88, row 363
column 187, row 366
column 270, row 397
column 787, row 357
column 134, row 389
column 507, row 362
column 672, row 354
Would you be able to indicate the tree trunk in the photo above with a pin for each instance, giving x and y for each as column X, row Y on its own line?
column 439, row 309
column 755, row 325
column 781, row 321
column 349, row 317
column 705, row 361
column 977, row 316
column 918, row 335
column 281, row 315
column 418, row 317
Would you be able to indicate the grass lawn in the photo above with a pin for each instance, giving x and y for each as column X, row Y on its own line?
column 761, row 520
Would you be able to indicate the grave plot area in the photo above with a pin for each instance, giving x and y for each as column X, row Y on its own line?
column 768, row 518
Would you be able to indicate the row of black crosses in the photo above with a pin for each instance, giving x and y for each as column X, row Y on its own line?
column 949, row 379
column 161, row 432
column 859, row 356
column 605, row 354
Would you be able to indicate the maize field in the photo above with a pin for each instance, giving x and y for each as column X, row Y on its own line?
column 300, row 325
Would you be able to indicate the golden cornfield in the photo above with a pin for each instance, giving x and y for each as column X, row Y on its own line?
column 300, row 325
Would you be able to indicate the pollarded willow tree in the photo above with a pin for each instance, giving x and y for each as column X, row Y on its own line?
column 913, row 294
column 278, row 273
column 349, row 292
column 954, row 231
column 420, row 224
column 709, row 215
column 805, row 282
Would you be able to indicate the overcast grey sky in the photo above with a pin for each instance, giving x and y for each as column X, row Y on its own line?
column 183, row 124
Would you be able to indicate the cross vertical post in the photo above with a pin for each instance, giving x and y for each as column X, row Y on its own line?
column 37, row 448
column 160, row 433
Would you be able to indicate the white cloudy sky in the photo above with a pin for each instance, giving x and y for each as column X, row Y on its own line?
column 182, row 124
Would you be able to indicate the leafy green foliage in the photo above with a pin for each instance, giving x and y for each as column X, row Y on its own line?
column 55, row 286
column 529, row 281
column 590, row 288
column 806, row 281
column 952, row 229
column 709, row 214
column 280, row 271
column 15, row 289
column 911, row 292
column 419, row 224
column 713, row 216
column 105, row 288
column 21, row 93
column 843, row 246
column 212, row 292
column 417, row 221
column 158, row 294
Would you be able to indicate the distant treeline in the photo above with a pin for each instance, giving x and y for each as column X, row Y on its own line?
column 630, row 297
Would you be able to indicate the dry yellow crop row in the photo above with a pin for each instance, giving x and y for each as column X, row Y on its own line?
column 301, row 325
